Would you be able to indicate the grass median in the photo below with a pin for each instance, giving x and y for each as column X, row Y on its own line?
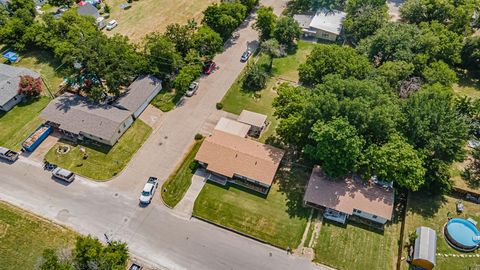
column 103, row 162
column 178, row 183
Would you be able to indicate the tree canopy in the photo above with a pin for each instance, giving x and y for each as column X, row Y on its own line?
column 266, row 21
column 287, row 31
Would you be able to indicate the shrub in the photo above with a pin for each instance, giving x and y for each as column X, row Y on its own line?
column 30, row 86
column 198, row 137
column 219, row 106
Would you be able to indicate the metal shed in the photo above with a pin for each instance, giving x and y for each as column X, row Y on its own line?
column 425, row 248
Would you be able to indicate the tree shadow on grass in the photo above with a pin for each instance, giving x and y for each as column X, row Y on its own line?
column 468, row 79
column 424, row 204
column 292, row 182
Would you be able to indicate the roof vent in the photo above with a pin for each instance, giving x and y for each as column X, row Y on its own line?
column 255, row 162
column 236, row 155
column 316, row 187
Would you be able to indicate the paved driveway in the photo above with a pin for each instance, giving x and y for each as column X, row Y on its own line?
column 154, row 234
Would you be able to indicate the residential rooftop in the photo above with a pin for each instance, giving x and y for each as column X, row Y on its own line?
column 349, row 193
column 252, row 118
column 229, row 154
column 9, row 80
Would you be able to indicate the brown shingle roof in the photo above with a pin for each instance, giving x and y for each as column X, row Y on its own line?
column 229, row 154
column 347, row 194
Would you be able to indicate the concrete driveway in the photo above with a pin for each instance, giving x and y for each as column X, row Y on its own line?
column 154, row 233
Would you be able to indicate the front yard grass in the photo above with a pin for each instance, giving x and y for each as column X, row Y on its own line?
column 433, row 212
column 23, row 237
column 284, row 70
column 103, row 162
column 179, row 181
column 148, row 16
column 20, row 121
column 356, row 246
column 166, row 100
column 278, row 218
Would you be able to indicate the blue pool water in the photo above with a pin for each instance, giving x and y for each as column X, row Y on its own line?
column 463, row 232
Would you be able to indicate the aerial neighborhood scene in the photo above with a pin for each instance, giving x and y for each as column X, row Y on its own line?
column 239, row 134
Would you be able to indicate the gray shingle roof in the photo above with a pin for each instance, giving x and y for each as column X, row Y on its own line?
column 9, row 80
column 138, row 92
column 88, row 10
column 75, row 114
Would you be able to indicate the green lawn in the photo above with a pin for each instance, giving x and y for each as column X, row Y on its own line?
column 165, row 100
column 20, row 121
column 432, row 212
column 103, row 162
column 45, row 64
column 23, row 237
column 284, row 69
column 179, row 181
column 279, row 218
column 356, row 246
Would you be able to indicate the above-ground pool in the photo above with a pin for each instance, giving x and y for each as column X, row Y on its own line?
column 462, row 234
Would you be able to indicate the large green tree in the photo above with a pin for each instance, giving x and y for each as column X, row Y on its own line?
column 333, row 59
column 265, row 23
column 287, row 31
column 163, row 59
column 364, row 18
column 181, row 36
column 397, row 161
column 225, row 17
column 337, row 146
column 439, row 72
column 207, row 42
column 271, row 48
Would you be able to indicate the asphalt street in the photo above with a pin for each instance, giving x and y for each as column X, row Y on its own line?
column 154, row 233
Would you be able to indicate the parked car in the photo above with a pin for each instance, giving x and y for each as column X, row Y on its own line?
column 209, row 67
column 61, row 10
column 135, row 266
column 148, row 190
column 245, row 56
column 63, row 174
column 8, row 154
column 192, row 89
column 112, row 24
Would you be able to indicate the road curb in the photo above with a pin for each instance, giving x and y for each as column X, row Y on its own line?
column 237, row 232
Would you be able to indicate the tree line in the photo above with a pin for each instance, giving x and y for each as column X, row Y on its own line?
column 106, row 64
column 383, row 104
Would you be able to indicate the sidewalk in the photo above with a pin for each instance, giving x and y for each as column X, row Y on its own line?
column 184, row 208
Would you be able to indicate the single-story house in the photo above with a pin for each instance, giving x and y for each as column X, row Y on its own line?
column 425, row 248
column 77, row 117
column 231, row 158
column 349, row 196
column 140, row 93
column 9, row 84
column 232, row 127
column 90, row 10
column 324, row 24
column 257, row 122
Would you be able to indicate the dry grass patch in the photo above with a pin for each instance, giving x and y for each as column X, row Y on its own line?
column 149, row 16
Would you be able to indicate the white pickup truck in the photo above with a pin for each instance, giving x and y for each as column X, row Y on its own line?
column 8, row 154
column 148, row 190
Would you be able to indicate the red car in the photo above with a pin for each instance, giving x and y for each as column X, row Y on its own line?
column 209, row 67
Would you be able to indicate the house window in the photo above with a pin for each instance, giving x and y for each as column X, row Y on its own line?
column 124, row 125
column 357, row 211
column 14, row 98
column 374, row 216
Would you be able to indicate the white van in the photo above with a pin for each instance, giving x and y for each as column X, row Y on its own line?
column 63, row 174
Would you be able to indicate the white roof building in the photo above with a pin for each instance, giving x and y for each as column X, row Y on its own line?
column 324, row 23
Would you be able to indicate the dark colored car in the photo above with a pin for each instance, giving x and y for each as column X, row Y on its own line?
column 209, row 67
column 245, row 56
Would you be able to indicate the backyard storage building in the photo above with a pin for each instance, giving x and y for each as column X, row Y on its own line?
column 140, row 93
column 232, row 127
column 256, row 121
column 9, row 80
column 425, row 248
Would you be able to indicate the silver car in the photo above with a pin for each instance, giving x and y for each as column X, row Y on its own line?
column 148, row 190
column 192, row 89
column 63, row 174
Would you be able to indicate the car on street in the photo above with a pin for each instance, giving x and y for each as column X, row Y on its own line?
column 245, row 56
column 209, row 67
column 148, row 190
column 192, row 89
column 111, row 24
column 63, row 174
